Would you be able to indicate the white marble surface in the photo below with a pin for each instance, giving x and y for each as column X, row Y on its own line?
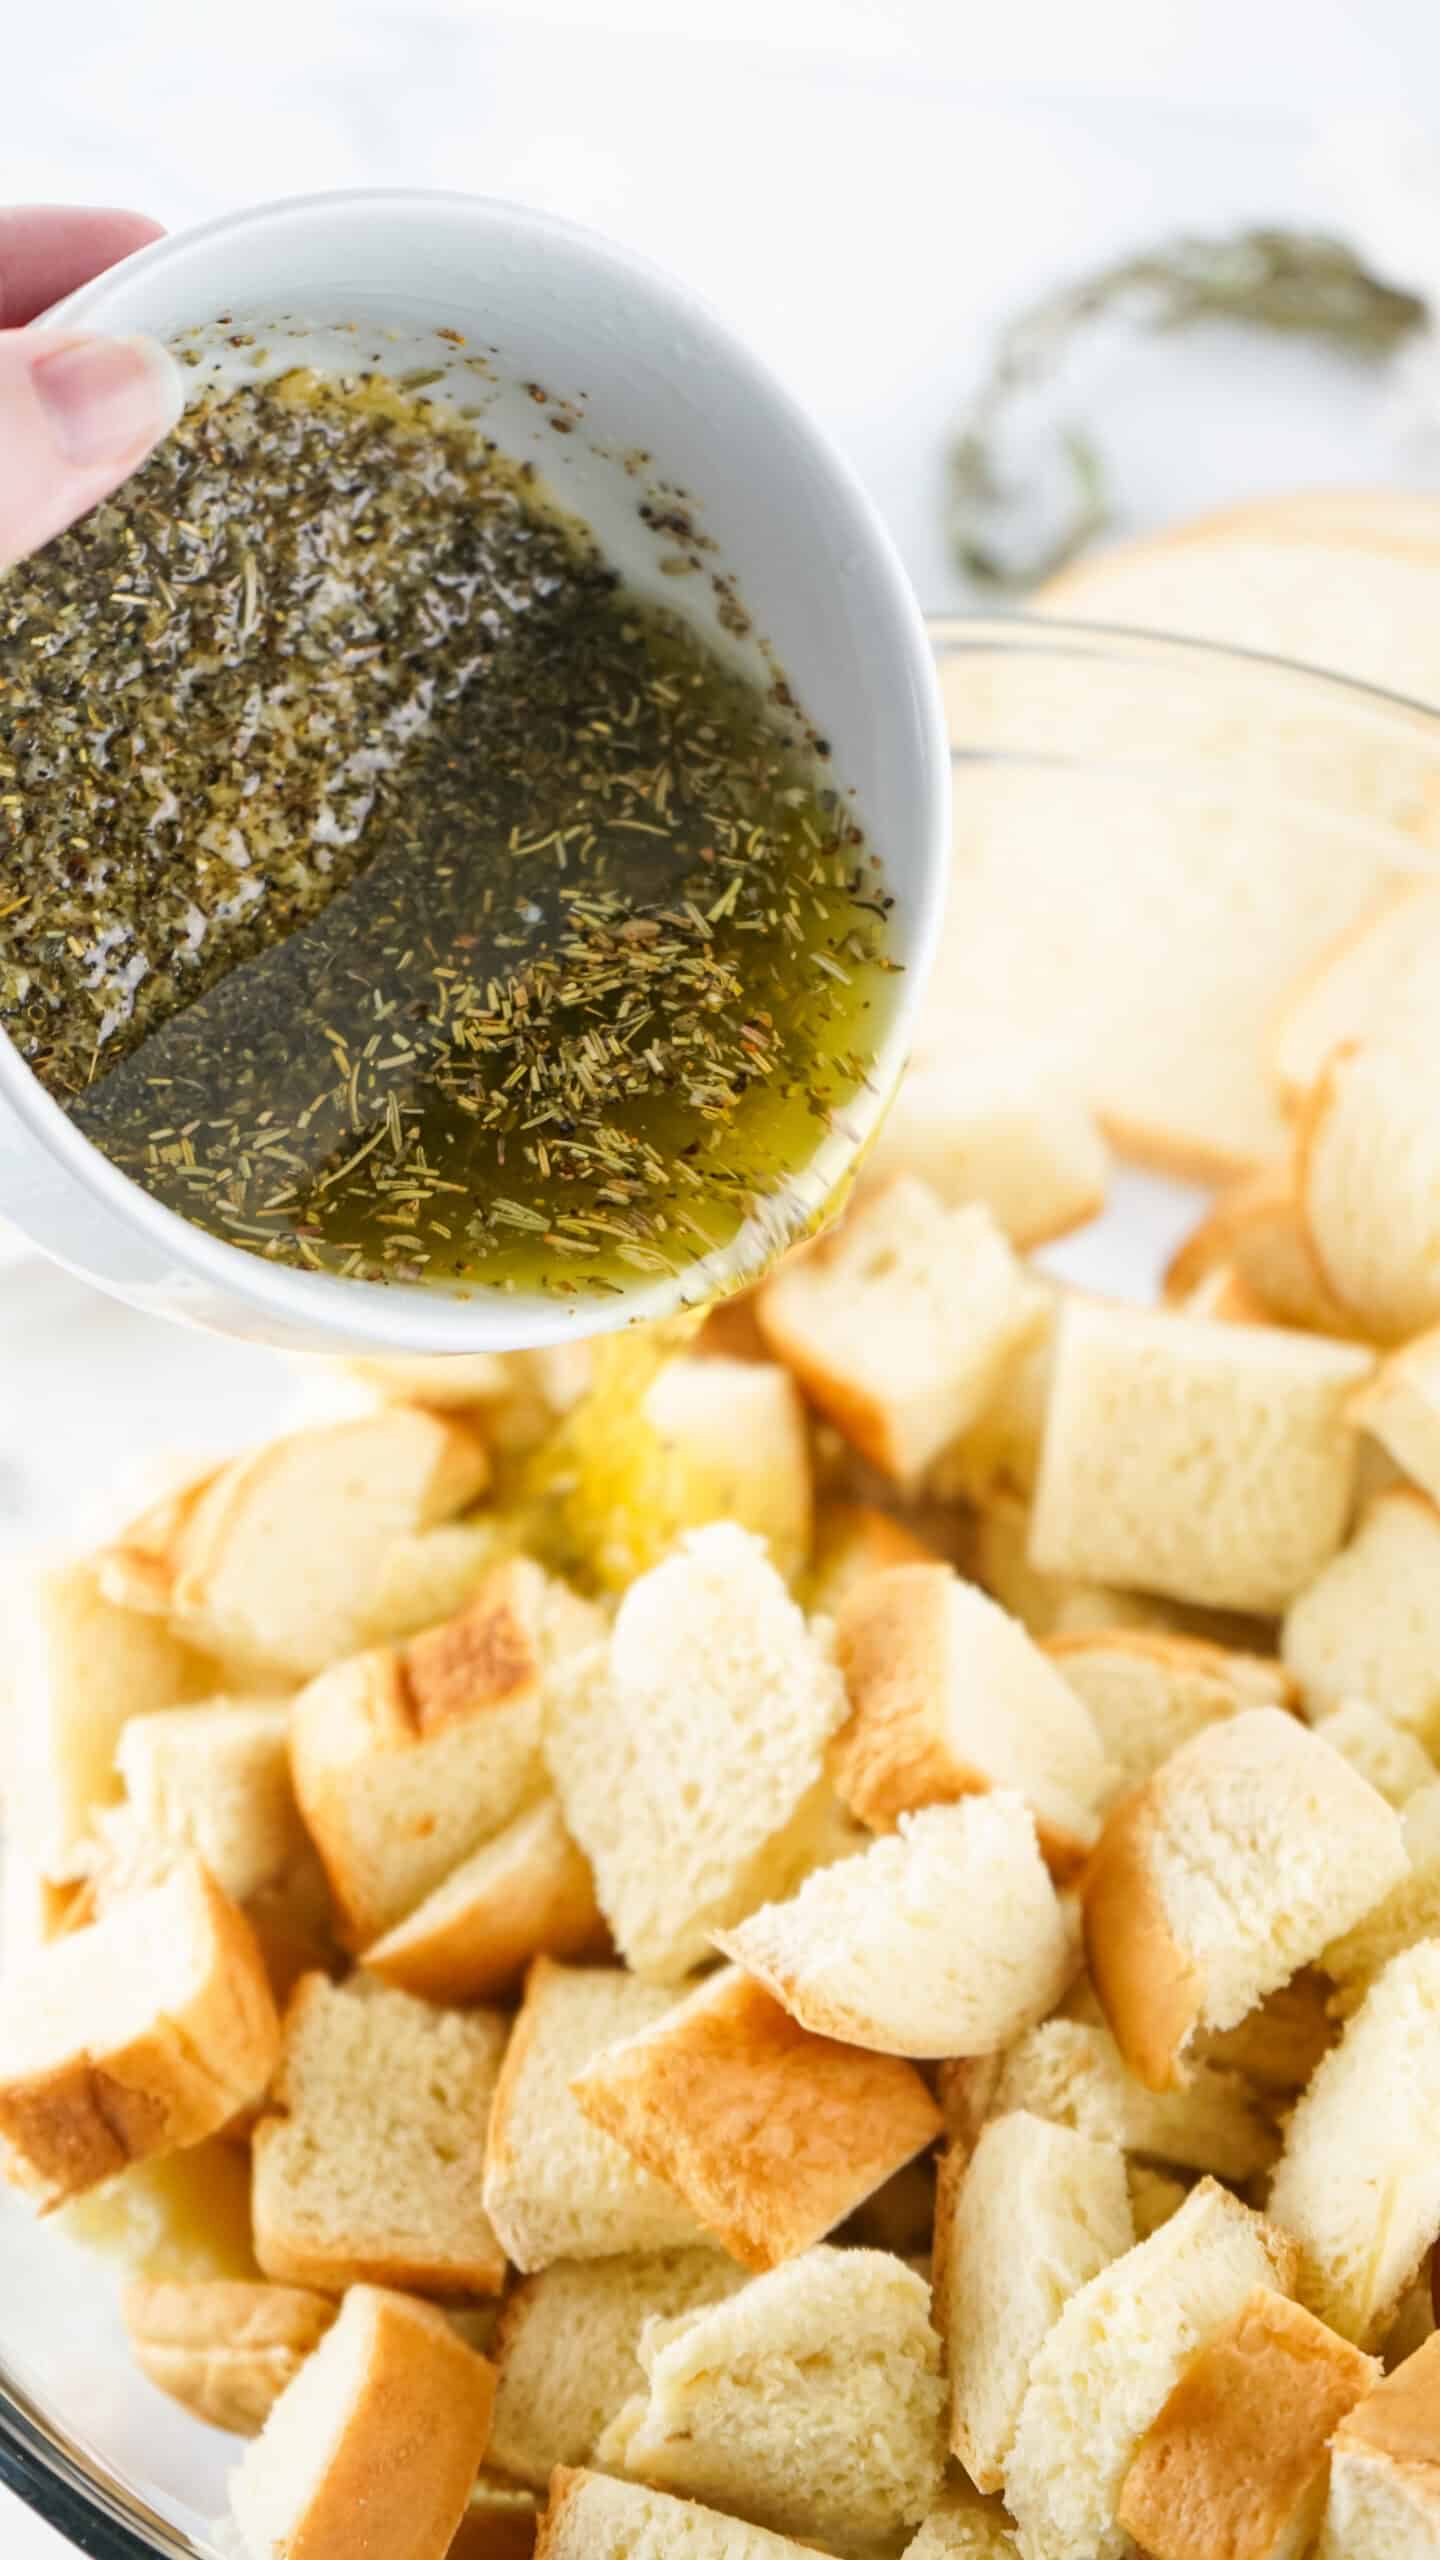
column 863, row 186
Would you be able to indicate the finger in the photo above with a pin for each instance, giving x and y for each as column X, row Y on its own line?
column 46, row 250
column 76, row 415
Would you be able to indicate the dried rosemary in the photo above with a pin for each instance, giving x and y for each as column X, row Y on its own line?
column 392, row 893
column 1291, row 283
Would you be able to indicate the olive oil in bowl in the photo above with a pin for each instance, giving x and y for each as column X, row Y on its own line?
column 391, row 892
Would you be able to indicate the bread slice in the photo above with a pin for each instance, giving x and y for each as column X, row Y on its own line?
column 224, row 2351
column 528, row 1892
column 899, row 1323
column 950, row 1697
column 1254, row 1233
column 771, row 2135
column 1404, row 1916
column 1236, row 2461
column 1368, row 1153
column 1072, row 2073
column 429, row 1575
column 379, row 2436
column 556, row 2184
column 946, row 1938
column 132, row 2038
column 1148, row 1692
column 405, row 1761
column 688, row 1754
column 215, row 1780
column 852, row 1541
column 1392, row 1760
column 591, row 2518
column 1400, row 1406
column 180, row 2219
column 965, row 2526
column 1032, row 2214
column 373, row 2167
column 1106, row 2368
column 1360, row 2134
column 1379, row 975
column 733, row 1443
column 1236, row 1863
column 1004, row 1127
column 1368, row 1626
column 1207, row 1462
column 274, row 1567
column 1385, row 2469
column 568, row 2349
column 811, row 2401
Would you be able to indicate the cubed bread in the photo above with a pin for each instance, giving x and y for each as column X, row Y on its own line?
column 1368, row 1626
column 134, row 2037
column 372, row 2167
column 1072, row 2073
column 1405, row 1915
column 950, row 1697
column 275, row 1565
column 811, row 2401
column 1107, row 2367
column 1046, row 1604
column 772, row 2135
column 1369, row 1175
column 404, row 1761
column 1384, row 2501
column 1208, row 1462
column 592, row 2518
column 1388, row 1756
column 556, row 2184
column 215, row 1780
column 567, row 2351
column 947, row 1937
column 1253, row 1238
column 998, row 1453
column 1031, row 2215
column 899, row 1323
column 1358, row 2184
column 1148, row 1692
column 965, row 2526
column 1232, row 1866
column 688, row 1753
column 180, row 2219
column 375, row 2443
column 1383, row 971
column 224, row 2351
column 528, row 1892
column 427, row 1576
column 1005, row 1127
column 1400, row 1405
column 1236, row 2461
column 733, row 1443
column 852, row 1541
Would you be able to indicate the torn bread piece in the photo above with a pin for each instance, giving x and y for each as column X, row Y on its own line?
column 274, row 1567
column 1393, row 1760
column 1148, row 1692
column 1002, row 1127
column 134, row 2037
column 1368, row 1625
column 1212, row 1463
column 1382, row 973
column 1237, row 2459
column 386, row 2422
column 224, row 2351
column 405, row 1761
column 899, row 1323
column 1384, row 2501
column 1362, row 2132
column 733, row 1443
column 568, row 2346
column 528, row 1892
column 811, row 2401
column 1368, row 1153
column 688, row 1753
column 1072, row 2073
column 770, row 2134
column 1236, row 1863
column 1107, row 2367
column 1405, row 1915
column 556, row 2184
column 945, row 1938
column 1032, row 2214
column 1400, row 1407
column 592, row 2518
column 371, row 2168
column 1255, row 1236
column 950, row 1697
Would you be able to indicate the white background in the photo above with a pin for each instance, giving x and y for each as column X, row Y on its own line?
column 863, row 186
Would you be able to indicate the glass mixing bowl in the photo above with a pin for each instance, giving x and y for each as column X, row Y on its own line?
column 1131, row 721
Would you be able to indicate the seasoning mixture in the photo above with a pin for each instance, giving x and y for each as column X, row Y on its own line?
column 389, row 891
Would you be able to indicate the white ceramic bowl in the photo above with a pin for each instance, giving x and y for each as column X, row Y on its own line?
column 371, row 277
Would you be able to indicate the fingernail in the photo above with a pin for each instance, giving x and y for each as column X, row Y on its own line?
column 105, row 398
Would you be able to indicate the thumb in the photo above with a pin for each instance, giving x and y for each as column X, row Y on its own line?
column 77, row 415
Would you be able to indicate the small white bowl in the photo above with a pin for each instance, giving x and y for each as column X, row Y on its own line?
column 657, row 396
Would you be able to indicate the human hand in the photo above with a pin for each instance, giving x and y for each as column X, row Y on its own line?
column 77, row 413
